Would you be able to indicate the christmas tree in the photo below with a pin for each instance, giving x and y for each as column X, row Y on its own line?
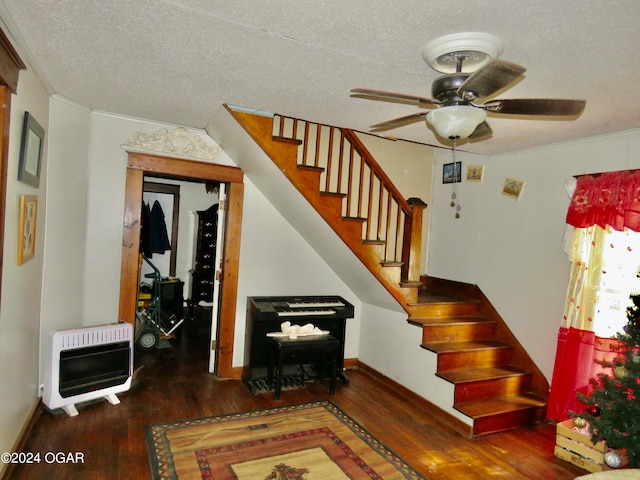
column 613, row 407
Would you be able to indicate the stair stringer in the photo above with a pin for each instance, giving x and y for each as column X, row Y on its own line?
column 284, row 153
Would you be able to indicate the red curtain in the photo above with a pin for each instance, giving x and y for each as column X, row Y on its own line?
column 611, row 198
column 576, row 362
column 607, row 199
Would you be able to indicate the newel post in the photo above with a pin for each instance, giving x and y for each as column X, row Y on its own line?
column 412, row 241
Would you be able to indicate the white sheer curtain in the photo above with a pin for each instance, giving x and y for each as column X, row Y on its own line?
column 604, row 272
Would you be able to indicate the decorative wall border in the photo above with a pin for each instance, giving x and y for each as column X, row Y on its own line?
column 179, row 143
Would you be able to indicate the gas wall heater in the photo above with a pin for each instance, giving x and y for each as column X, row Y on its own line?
column 88, row 363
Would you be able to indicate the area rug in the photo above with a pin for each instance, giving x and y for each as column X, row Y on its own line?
column 311, row 441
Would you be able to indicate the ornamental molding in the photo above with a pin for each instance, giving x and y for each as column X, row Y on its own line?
column 179, row 143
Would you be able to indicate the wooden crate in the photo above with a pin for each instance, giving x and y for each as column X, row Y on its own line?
column 575, row 446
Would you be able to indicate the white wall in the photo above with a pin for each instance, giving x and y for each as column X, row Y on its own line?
column 62, row 278
column 390, row 345
column 105, row 209
column 274, row 259
column 20, row 305
column 512, row 249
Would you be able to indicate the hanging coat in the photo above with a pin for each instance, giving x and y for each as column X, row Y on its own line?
column 154, row 237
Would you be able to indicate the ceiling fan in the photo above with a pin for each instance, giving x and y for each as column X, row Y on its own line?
column 462, row 96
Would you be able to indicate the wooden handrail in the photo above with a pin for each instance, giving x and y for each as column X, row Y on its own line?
column 369, row 193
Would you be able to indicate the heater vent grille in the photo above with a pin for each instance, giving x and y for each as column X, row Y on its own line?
column 92, row 336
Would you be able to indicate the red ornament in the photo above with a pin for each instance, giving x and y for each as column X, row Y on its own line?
column 593, row 410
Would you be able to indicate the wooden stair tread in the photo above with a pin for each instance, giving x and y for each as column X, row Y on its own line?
column 333, row 194
column 278, row 138
column 311, row 168
column 373, row 242
column 475, row 345
column 500, row 405
column 478, row 374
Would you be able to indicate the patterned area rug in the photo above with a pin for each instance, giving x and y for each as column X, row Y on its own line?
column 312, row 441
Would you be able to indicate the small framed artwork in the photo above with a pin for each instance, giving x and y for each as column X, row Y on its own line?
column 452, row 172
column 31, row 149
column 27, row 228
column 513, row 188
column 475, row 173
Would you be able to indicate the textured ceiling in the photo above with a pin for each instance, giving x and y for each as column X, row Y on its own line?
column 177, row 61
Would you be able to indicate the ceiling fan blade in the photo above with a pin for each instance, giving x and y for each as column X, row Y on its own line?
column 398, row 122
column 393, row 97
column 491, row 78
column 536, row 106
column 481, row 131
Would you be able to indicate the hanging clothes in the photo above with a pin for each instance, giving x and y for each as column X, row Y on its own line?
column 154, row 237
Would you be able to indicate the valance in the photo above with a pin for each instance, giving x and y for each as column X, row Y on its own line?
column 609, row 199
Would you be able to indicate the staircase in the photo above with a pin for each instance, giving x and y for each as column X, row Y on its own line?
column 496, row 384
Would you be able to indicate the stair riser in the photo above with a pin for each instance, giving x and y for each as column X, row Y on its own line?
column 458, row 332
column 485, row 389
column 491, row 357
column 445, row 310
column 508, row 421
column 332, row 203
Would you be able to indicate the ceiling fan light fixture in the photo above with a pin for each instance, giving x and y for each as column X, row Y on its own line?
column 458, row 121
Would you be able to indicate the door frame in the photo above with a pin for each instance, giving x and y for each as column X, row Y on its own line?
column 10, row 66
column 189, row 170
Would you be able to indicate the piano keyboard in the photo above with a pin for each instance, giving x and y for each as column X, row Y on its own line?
column 302, row 313
column 303, row 304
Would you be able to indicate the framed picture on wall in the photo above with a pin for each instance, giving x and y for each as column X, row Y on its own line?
column 513, row 188
column 452, row 172
column 475, row 173
column 27, row 228
column 31, row 148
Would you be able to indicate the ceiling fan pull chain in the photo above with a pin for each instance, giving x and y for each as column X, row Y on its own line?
column 454, row 197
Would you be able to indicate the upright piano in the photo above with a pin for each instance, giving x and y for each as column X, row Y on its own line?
column 266, row 314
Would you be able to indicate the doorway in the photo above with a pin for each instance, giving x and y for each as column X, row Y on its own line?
column 138, row 165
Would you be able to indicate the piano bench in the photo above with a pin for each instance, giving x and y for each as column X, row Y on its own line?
column 323, row 347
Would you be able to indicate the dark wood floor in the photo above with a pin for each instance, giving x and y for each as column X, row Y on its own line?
column 172, row 384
